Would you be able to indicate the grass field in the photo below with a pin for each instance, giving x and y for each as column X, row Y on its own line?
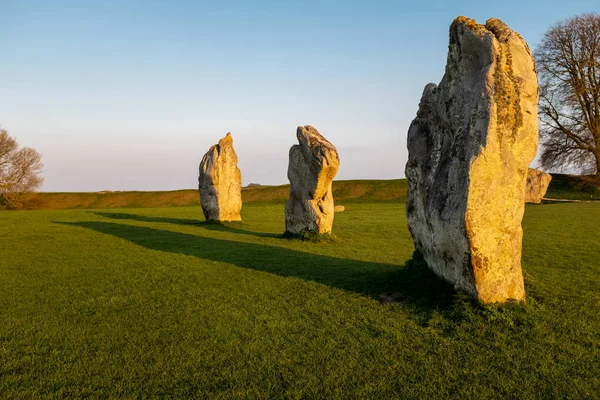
column 137, row 303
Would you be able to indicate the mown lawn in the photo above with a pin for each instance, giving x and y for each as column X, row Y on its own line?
column 141, row 303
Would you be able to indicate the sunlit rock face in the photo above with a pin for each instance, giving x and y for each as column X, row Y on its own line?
column 314, row 162
column 469, row 149
column 220, row 182
column 537, row 185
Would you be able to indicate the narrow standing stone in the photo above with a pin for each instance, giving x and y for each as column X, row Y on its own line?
column 220, row 182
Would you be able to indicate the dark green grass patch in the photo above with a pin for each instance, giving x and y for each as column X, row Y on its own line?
column 144, row 303
column 573, row 187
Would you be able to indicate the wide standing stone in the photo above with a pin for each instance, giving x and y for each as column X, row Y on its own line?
column 469, row 149
column 537, row 185
column 220, row 182
column 314, row 162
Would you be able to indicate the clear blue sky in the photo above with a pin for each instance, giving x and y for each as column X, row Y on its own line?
column 124, row 95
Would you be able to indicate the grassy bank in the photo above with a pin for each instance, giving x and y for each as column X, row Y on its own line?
column 353, row 191
column 344, row 191
column 143, row 303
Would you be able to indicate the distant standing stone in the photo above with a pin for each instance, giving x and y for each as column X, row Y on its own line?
column 314, row 162
column 469, row 149
column 220, row 182
column 537, row 185
column 339, row 209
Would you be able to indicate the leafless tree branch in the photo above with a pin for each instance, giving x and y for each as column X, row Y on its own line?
column 568, row 63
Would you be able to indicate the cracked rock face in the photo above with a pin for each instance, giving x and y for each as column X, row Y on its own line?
column 469, row 149
column 314, row 162
column 537, row 185
column 220, row 182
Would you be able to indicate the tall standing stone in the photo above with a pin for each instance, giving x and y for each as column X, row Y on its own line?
column 220, row 182
column 469, row 149
column 314, row 162
column 537, row 185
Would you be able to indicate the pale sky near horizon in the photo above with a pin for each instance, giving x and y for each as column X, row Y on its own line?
column 129, row 95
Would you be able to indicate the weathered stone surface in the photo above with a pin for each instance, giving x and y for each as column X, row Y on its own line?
column 313, row 165
column 220, row 182
column 339, row 209
column 537, row 185
column 469, row 150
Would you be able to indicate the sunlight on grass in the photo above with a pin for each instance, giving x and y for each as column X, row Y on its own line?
column 156, row 302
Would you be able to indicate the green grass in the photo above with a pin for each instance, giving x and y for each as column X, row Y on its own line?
column 141, row 303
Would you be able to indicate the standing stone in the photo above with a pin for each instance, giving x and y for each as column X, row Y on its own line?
column 220, row 182
column 313, row 165
column 469, row 150
column 537, row 185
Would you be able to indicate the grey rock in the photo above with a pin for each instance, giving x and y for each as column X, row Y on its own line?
column 220, row 182
column 469, row 148
column 313, row 164
column 537, row 185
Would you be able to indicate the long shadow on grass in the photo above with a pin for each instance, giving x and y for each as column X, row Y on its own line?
column 213, row 226
column 411, row 285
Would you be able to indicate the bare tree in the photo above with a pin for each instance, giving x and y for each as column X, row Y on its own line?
column 568, row 63
column 20, row 171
